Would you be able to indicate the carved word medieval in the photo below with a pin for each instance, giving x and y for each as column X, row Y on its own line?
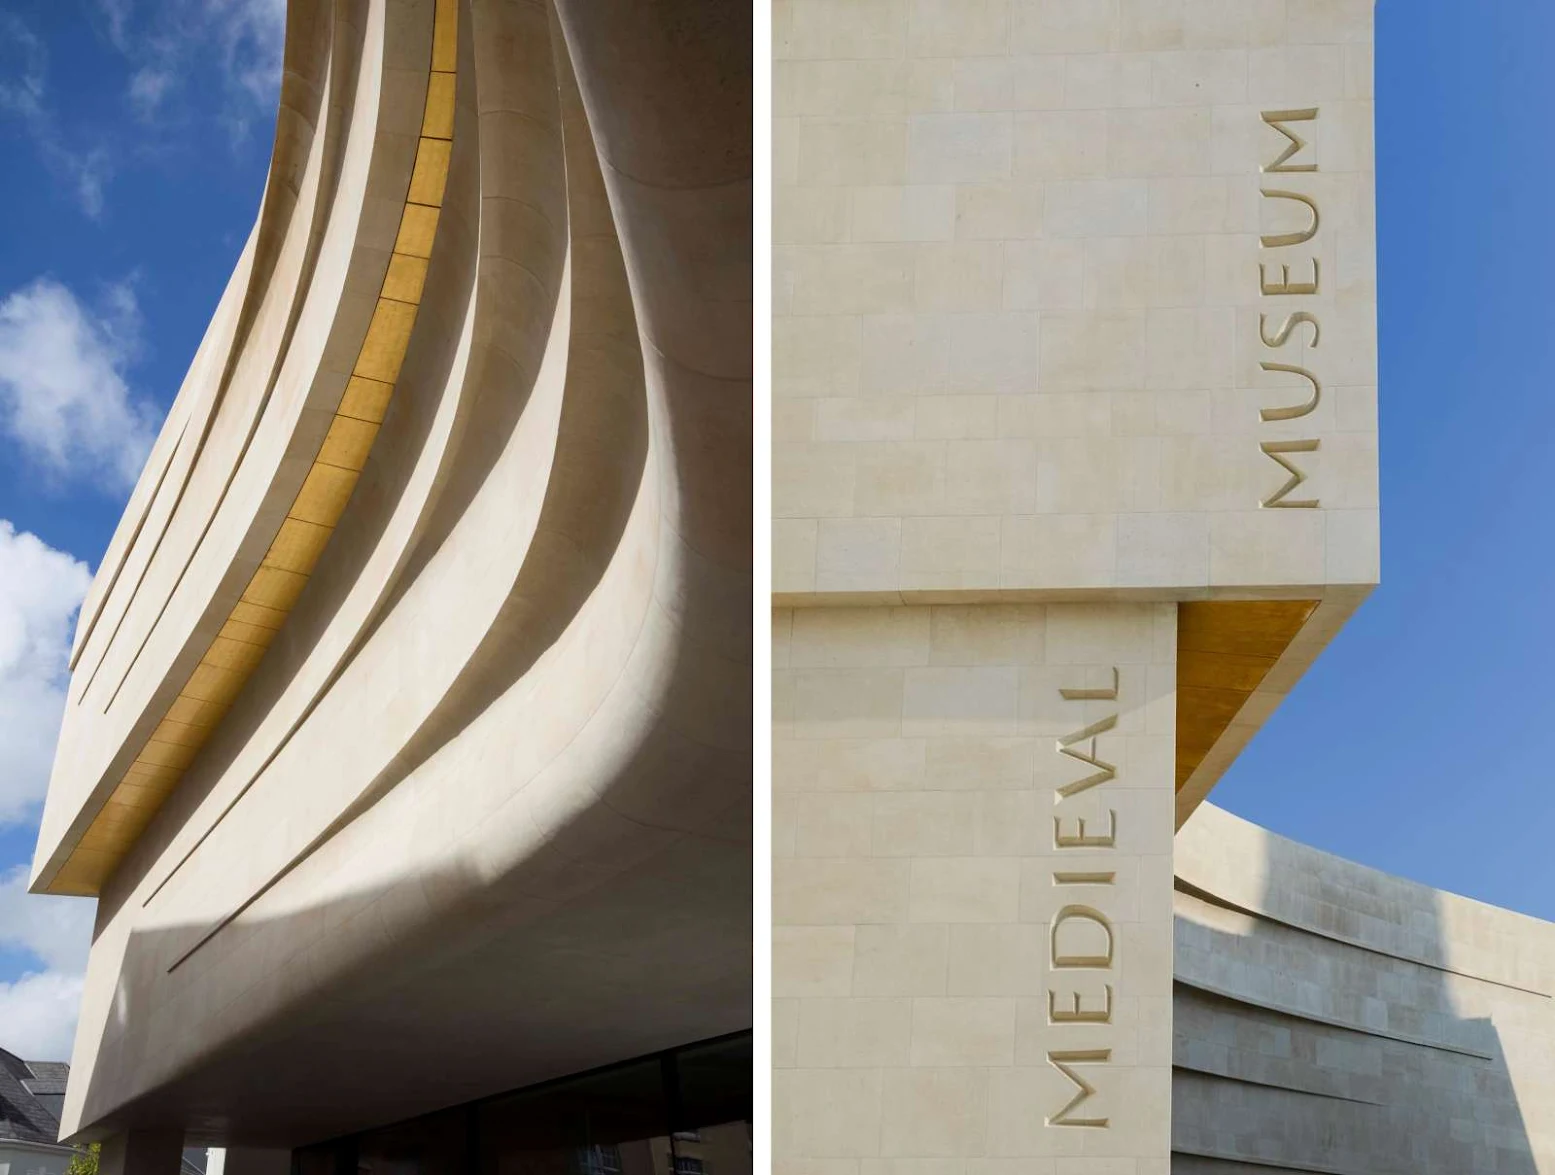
column 1276, row 280
column 1081, row 938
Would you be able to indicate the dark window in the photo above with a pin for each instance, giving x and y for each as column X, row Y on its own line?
column 600, row 1159
column 637, row 1118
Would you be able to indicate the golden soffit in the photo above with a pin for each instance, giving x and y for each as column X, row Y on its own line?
column 1225, row 649
column 283, row 573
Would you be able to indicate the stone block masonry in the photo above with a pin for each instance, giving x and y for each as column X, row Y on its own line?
column 972, row 890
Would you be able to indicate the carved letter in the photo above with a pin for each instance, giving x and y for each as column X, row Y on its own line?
column 1276, row 450
column 1079, row 840
column 1080, row 1015
column 1285, row 285
column 1282, row 335
column 1105, row 771
column 1084, row 878
column 1281, row 240
column 1069, row 913
column 1093, row 695
column 1268, row 414
column 1062, row 1062
column 1277, row 119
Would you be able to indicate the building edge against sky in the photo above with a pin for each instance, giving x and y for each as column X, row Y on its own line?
column 1075, row 473
column 407, row 747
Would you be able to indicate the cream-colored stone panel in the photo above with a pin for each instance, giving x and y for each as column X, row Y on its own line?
column 319, row 500
column 924, row 212
column 1421, row 1020
column 956, row 417
column 516, row 685
column 959, row 148
column 1045, row 275
column 913, row 920
column 855, row 151
column 999, row 211
column 1116, row 151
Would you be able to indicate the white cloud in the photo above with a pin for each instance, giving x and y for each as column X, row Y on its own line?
column 118, row 14
column 253, row 33
column 90, row 171
column 38, row 1009
column 56, row 931
column 23, row 94
column 63, row 394
column 148, row 87
column 241, row 41
column 39, row 1012
column 22, row 84
column 40, row 590
column 170, row 39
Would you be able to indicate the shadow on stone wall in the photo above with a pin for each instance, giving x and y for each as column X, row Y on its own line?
column 360, row 1010
column 1318, row 1028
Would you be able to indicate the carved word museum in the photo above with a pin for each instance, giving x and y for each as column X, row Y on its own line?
column 1075, row 474
column 408, row 750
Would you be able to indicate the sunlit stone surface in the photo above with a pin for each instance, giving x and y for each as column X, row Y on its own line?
column 1074, row 475
column 408, row 743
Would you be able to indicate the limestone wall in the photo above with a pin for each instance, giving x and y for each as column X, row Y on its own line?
column 1035, row 266
column 1330, row 1018
column 1074, row 311
column 957, row 978
column 435, row 772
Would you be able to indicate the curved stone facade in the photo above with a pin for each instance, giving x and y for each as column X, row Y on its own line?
column 1331, row 1018
column 409, row 729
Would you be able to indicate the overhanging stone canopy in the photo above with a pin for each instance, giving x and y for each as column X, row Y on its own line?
column 260, row 612
column 414, row 689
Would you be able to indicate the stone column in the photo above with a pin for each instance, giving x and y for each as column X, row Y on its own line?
column 142, row 1152
column 972, row 893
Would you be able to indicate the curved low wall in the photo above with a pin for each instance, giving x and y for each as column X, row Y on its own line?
column 1331, row 1018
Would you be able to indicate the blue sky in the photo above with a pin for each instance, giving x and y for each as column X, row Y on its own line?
column 1423, row 741
column 136, row 136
